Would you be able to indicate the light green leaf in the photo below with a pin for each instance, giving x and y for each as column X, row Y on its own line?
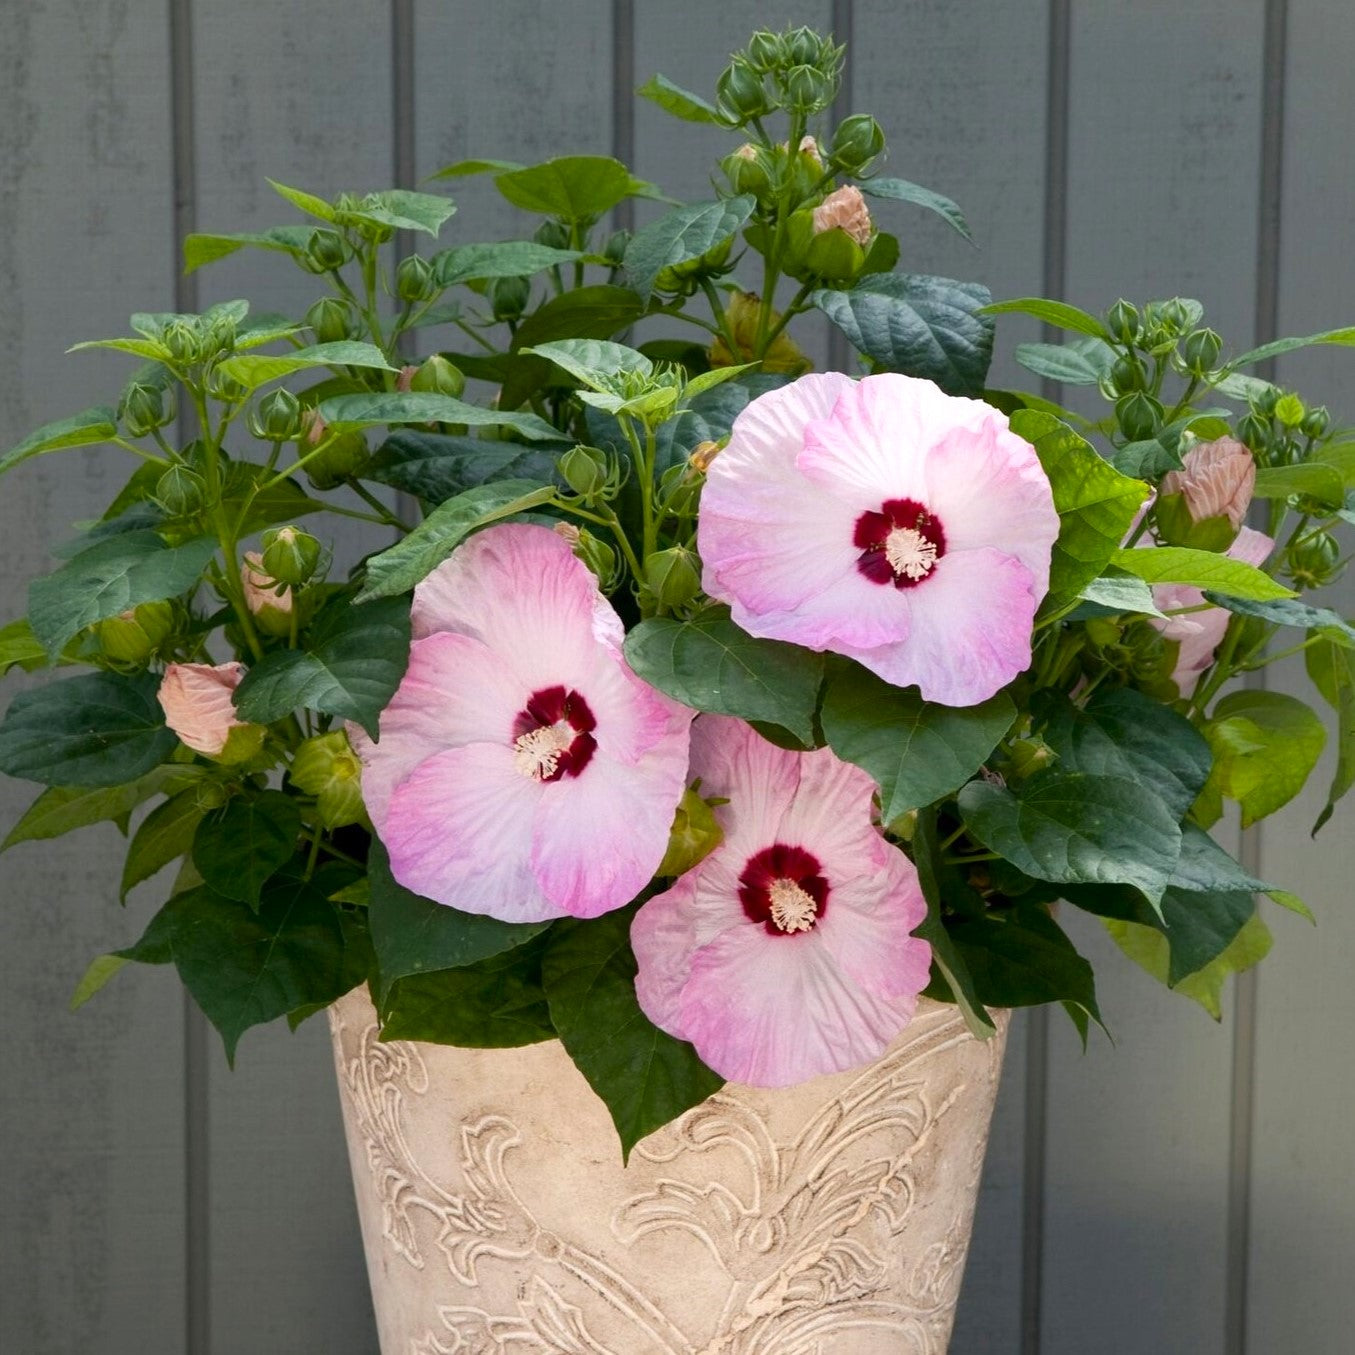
column 165, row 835
column 679, row 102
column 402, row 566
column 592, row 361
column 1313, row 478
column 20, row 648
column 1332, row 668
column 1056, row 313
column 85, row 429
column 305, row 202
column 465, row 168
column 717, row 376
column 1121, row 594
column 575, row 188
column 255, row 370
column 681, row 235
column 62, row 809
column 397, row 407
column 200, row 249
column 403, row 210
column 101, row 969
column 917, row 751
column 139, row 348
column 507, row 259
column 901, row 190
column 1278, row 347
column 1200, row 569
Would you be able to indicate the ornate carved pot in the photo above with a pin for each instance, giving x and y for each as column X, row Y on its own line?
column 826, row 1219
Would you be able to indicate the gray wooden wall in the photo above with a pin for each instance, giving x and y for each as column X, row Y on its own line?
column 1185, row 1192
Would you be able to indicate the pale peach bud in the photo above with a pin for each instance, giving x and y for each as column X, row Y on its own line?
column 404, row 382
column 747, row 151
column 568, row 532
column 261, row 589
column 810, row 147
column 845, row 210
column 196, row 699
column 312, row 426
column 1216, row 479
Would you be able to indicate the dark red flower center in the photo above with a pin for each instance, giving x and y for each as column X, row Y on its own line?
column 781, row 887
column 900, row 544
column 553, row 735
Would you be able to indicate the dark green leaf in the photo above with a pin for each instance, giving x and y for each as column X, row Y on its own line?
column 397, row 570
column 1291, row 612
column 1145, row 460
column 679, row 102
column 582, row 313
column 917, row 751
column 415, row 935
column 112, row 577
column 711, row 664
column 1278, row 347
column 506, row 259
column 901, row 190
column 165, row 834
column 237, row 849
column 352, row 664
column 397, row 407
column 252, row 370
column 100, row 729
column 1057, row 313
column 1072, row 364
column 80, row 430
column 923, row 326
column 254, row 507
column 436, row 468
column 681, row 235
column 1077, row 828
column 645, row 1077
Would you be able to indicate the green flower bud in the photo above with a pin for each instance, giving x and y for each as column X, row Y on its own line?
column 1139, row 416
column 243, row 744
column 1315, row 422
column 181, row 492
column 345, row 456
column 808, row 90
column 437, row 376
column 673, row 576
column 1289, row 410
column 332, row 320
column 276, row 417
column 184, row 342
column 614, row 251
column 225, row 388
column 1173, row 315
column 856, row 142
column 739, row 93
column 594, row 552
column 325, row 251
column 414, row 279
column 1122, row 320
column 327, row 767
column 1265, row 400
column 1313, row 563
column 553, row 234
column 290, row 555
column 1127, row 375
column 134, row 636
column 748, row 171
column 834, row 256
column 144, row 409
column 584, row 470
column 1254, row 431
column 508, row 297
column 802, row 47
column 694, row 835
column 1202, row 350
column 684, row 278
column 765, row 51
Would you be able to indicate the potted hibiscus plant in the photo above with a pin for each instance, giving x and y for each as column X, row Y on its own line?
column 724, row 720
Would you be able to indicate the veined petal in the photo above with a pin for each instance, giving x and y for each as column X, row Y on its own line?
column 867, row 930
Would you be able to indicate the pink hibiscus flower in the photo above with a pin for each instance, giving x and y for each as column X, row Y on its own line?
column 885, row 520
column 786, row 952
column 523, row 770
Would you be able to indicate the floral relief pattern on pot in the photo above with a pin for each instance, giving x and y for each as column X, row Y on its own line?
column 832, row 1217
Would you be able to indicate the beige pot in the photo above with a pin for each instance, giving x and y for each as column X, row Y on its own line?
column 826, row 1219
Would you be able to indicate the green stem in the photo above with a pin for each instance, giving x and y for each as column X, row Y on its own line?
column 721, row 319
column 474, row 334
column 384, row 514
column 794, row 309
column 140, row 451
column 1281, row 654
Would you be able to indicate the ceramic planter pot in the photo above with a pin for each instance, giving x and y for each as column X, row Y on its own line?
column 830, row 1218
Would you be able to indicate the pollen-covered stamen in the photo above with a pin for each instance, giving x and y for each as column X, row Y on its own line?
column 900, row 544
column 553, row 735
column 781, row 887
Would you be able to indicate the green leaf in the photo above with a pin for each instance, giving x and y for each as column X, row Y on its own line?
column 253, row 506
column 1077, row 828
column 1278, row 347
column 947, row 958
column 237, row 849
column 63, row 809
column 1056, row 313
column 494, row 1003
column 1070, row 364
column 1313, row 478
column 1290, row 612
column 100, row 729
column 1332, row 669
column 402, row 566
column 415, row 935
column 165, row 835
column 397, row 407
column 254, row 370
column 681, row 235
column 436, row 467
column 917, row 751
column 645, row 1076
column 1122, row 733
column 581, row 313
column 1121, row 594
column 679, row 102
column 465, row 168
column 352, row 663
column 19, row 648
column 148, row 349
column 200, row 249
column 717, row 376
column 245, row 968
column 1095, row 503
column 923, row 326
column 576, row 188
column 1200, row 569
column 1265, row 745
column 1148, row 460
column 901, row 190
column 305, row 202
column 1020, row 957
column 593, row 361
column 112, row 577
column 506, row 259
column 80, row 430
column 403, row 210
column 101, row 969
column 711, row 664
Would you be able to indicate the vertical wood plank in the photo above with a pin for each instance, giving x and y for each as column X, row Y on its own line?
column 1302, row 1202
column 285, row 92
column 91, row 1175
column 1138, row 1152
column 962, row 105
